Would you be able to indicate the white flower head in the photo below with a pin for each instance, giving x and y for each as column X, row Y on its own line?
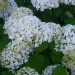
column 27, row 71
column 3, row 6
column 24, row 27
column 56, row 30
column 73, row 72
column 11, row 6
column 68, row 2
column 21, row 11
column 49, row 4
column 69, row 60
column 45, row 4
column 48, row 70
column 68, row 39
column 15, row 54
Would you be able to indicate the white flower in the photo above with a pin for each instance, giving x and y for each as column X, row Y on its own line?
column 15, row 54
column 11, row 6
column 45, row 4
column 21, row 11
column 72, row 2
column 3, row 6
column 55, row 31
column 48, row 70
column 67, row 42
column 23, row 25
column 29, row 28
column 22, row 28
column 69, row 60
column 73, row 72
column 26, row 71
column 49, row 4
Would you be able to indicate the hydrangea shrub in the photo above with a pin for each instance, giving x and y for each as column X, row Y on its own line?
column 37, row 37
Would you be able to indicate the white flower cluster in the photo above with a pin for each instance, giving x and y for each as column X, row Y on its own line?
column 11, row 6
column 22, row 28
column 45, row 4
column 15, row 54
column 69, row 60
column 73, row 72
column 26, row 71
column 49, row 4
column 23, row 25
column 56, row 31
column 3, row 6
column 72, row 2
column 67, row 41
column 48, row 70
column 20, row 12
column 49, row 32
column 26, row 31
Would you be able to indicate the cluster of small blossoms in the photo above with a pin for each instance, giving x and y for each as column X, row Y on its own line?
column 25, row 29
column 26, row 71
column 3, row 6
column 49, row 69
column 45, row 4
column 9, row 5
column 67, row 41
column 45, row 33
column 30, row 28
column 56, row 30
column 73, row 72
column 15, row 54
column 20, row 12
column 20, row 24
column 49, row 4
column 49, row 31
column 72, row 2
column 23, row 26
column 69, row 60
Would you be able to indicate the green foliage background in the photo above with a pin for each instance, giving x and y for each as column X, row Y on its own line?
column 45, row 54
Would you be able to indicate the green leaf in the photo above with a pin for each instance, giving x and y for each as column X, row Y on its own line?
column 6, row 39
column 52, row 46
column 1, row 29
column 49, row 11
column 46, row 61
column 42, row 47
column 59, row 70
column 3, row 43
column 63, row 17
column 27, row 2
column 32, row 8
column 70, row 21
column 1, row 26
column 57, row 12
column 3, row 69
column 2, row 46
column 56, row 58
column 6, row 73
column 66, row 6
column 20, row 2
column 1, row 21
column 36, row 61
column 48, row 18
